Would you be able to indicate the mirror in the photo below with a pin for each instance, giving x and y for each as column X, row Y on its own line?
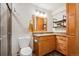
column 38, row 24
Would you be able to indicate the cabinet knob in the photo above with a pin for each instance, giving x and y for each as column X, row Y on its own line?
column 35, row 41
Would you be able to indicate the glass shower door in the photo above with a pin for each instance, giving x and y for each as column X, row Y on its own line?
column 5, row 30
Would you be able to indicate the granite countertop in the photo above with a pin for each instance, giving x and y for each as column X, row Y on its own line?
column 49, row 33
column 63, row 34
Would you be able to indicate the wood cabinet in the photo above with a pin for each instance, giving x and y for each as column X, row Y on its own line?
column 71, row 13
column 71, row 8
column 44, row 45
column 72, row 45
column 61, row 44
column 73, row 28
column 77, row 28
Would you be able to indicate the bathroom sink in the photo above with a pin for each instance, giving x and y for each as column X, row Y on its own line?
column 46, row 34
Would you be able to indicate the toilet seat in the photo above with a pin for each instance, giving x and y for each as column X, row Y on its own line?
column 27, row 51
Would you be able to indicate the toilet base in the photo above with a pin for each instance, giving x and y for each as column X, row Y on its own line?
column 27, row 51
column 23, row 55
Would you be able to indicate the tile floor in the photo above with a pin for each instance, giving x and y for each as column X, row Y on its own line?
column 54, row 53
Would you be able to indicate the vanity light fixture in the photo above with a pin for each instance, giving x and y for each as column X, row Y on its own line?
column 40, row 13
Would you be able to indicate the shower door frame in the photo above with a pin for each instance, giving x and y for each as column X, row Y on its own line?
column 0, row 29
column 9, row 30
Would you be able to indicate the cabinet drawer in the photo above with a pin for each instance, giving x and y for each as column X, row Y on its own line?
column 44, row 45
column 63, row 38
column 61, row 44
column 61, row 50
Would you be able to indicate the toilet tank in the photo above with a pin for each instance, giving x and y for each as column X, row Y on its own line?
column 24, row 41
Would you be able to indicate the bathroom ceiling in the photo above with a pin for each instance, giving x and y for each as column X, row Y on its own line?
column 49, row 6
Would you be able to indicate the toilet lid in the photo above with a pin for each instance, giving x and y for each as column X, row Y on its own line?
column 26, row 51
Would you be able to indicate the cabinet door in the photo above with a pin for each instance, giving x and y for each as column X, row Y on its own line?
column 51, row 42
column 72, row 46
column 43, row 46
column 71, row 25
column 71, row 8
column 71, row 19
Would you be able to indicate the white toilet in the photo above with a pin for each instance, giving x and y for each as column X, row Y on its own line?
column 25, row 49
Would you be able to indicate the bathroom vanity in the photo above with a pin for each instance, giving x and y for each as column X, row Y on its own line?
column 68, row 43
column 44, row 43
